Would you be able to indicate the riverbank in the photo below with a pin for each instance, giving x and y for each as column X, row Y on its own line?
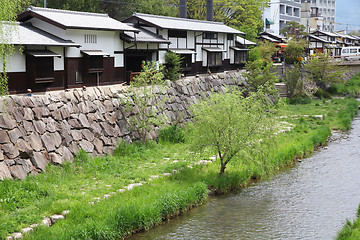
column 142, row 185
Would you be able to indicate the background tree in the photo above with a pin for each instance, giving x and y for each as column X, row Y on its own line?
column 294, row 30
column 141, row 101
column 323, row 70
column 8, row 14
column 230, row 124
column 244, row 15
column 294, row 50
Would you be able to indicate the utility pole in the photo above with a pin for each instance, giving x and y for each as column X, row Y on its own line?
column 45, row 4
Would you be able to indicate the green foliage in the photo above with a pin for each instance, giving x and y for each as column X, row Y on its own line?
column 350, row 87
column 323, row 71
column 230, row 123
column 293, row 81
column 157, row 7
column 8, row 14
column 172, row 134
column 264, row 50
column 260, row 74
column 172, row 65
column 145, row 101
column 293, row 29
column 294, row 51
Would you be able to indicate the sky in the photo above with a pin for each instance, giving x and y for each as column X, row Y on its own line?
column 347, row 14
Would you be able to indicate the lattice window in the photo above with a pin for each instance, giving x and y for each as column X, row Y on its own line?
column 90, row 38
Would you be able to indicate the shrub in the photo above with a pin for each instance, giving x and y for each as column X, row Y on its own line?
column 172, row 66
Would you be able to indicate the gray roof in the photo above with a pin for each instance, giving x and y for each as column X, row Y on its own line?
column 26, row 34
column 244, row 41
column 164, row 22
column 143, row 36
column 318, row 39
column 325, row 33
column 74, row 20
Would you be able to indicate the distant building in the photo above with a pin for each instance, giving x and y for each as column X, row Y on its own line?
column 279, row 12
column 326, row 9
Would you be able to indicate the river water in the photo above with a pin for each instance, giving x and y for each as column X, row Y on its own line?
column 310, row 200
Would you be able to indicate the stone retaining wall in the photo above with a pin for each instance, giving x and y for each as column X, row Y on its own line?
column 53, row 127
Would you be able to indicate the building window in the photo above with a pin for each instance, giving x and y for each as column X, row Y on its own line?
column 95, row 64
column 177, row 33
column 241, row 56
column 230, row 36
column 44, row 69
column 210, row 35
column 90, row 38
column 185, row 62
column 214, row 59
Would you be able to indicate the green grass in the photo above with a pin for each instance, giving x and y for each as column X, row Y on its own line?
column 73, row 185
column 349, row 88
column 351, row 230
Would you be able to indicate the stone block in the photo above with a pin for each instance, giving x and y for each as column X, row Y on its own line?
column 109, row 107
column 28, row 126
column 92, row 107
column 18, row 114
column 110, row 118
column 86, row 146
column 107, row 129
column 10, row 162
column 7, row 121
column 65, row 153
column 74, row 148
column 4, row 137
column 106, row 141
column 27, row 102
column 56, row 114
column 98, row 144
column 96, row 128
column 55, row 158
column 88, row 135
column 17, row 171
column 84, row 121
column 76, row 135
column 40, row 127
column 35, row 141
column 48, row 142
column 74, row 123
column 50, row 124
column 65, row 113
column 4, row 172
column 10, row 150
column 24, row 148
column 14, row 135
column 39, row 160
column 25, row 163
column 83, row 107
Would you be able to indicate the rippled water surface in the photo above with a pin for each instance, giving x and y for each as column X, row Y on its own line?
column 312, row 200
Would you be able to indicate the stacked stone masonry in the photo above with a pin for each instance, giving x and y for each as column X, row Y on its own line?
column 52, row 127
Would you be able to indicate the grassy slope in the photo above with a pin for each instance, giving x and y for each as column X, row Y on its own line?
column 73, row 185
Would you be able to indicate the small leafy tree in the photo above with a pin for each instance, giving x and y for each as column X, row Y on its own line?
column 294, row 82
column 293, row 30
column 143, row 101
column 323, row 70
column 230, row 124
column 260, row 74
column 294, row 51
column 172, row 66
column 264, row 50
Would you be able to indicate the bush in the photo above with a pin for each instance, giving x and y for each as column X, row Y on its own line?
column 172, row 134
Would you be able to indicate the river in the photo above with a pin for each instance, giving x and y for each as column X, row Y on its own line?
column 310, row 200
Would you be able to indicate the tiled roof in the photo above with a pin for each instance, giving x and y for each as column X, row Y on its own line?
column 164, row 22
column 74, row 20
column 330, row 34
column 26, row 34
column 318, row 39
column 244, row 41
column 143, row 36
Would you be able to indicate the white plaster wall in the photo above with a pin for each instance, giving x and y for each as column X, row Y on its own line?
column 191, row 39
column 204, row 58
column 16, row 62
column 173, row 43
column 151, row 29
column 231, row 55
column 58, row 62
column 119, row 60
column 199, row 52
column 162, row 57
column 182, row 43
column 164, row 34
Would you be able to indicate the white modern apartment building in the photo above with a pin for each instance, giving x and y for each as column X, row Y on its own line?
column 279, row 12
column 327, row 10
